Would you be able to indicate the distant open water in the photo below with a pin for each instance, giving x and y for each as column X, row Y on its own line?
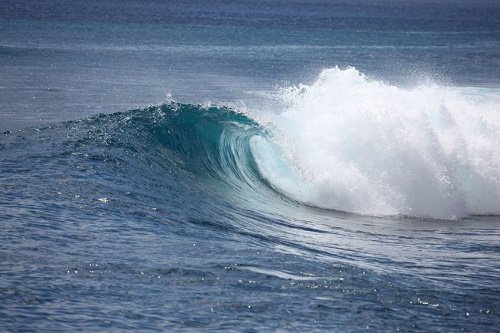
column 305, row 166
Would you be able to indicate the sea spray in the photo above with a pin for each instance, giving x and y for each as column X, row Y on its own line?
column 360, row 145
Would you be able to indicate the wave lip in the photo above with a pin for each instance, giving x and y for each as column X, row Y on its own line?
column 364, row 146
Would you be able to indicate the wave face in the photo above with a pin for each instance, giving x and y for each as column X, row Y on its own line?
column 363, row 146
column 206, row 148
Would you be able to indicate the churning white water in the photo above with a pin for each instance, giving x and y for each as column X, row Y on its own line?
column 353, row 144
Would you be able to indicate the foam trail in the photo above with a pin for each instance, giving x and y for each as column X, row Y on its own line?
column 364, row 146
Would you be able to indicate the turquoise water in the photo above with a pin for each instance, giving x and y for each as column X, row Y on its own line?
column 250, row 166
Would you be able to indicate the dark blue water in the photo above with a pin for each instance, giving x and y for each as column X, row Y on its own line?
column 156, row 174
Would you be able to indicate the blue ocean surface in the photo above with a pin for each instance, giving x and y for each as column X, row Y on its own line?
column 266, row 165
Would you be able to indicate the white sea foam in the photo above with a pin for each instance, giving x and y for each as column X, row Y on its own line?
column 353, row 144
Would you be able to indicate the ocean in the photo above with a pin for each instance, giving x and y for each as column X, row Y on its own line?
column 254, row 165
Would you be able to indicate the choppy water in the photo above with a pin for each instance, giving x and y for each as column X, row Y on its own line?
column 270, row 186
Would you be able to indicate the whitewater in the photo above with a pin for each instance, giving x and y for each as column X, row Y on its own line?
column 350, row 143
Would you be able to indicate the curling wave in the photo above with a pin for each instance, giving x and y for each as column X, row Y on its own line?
column 344, row 143
column 209, row 144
